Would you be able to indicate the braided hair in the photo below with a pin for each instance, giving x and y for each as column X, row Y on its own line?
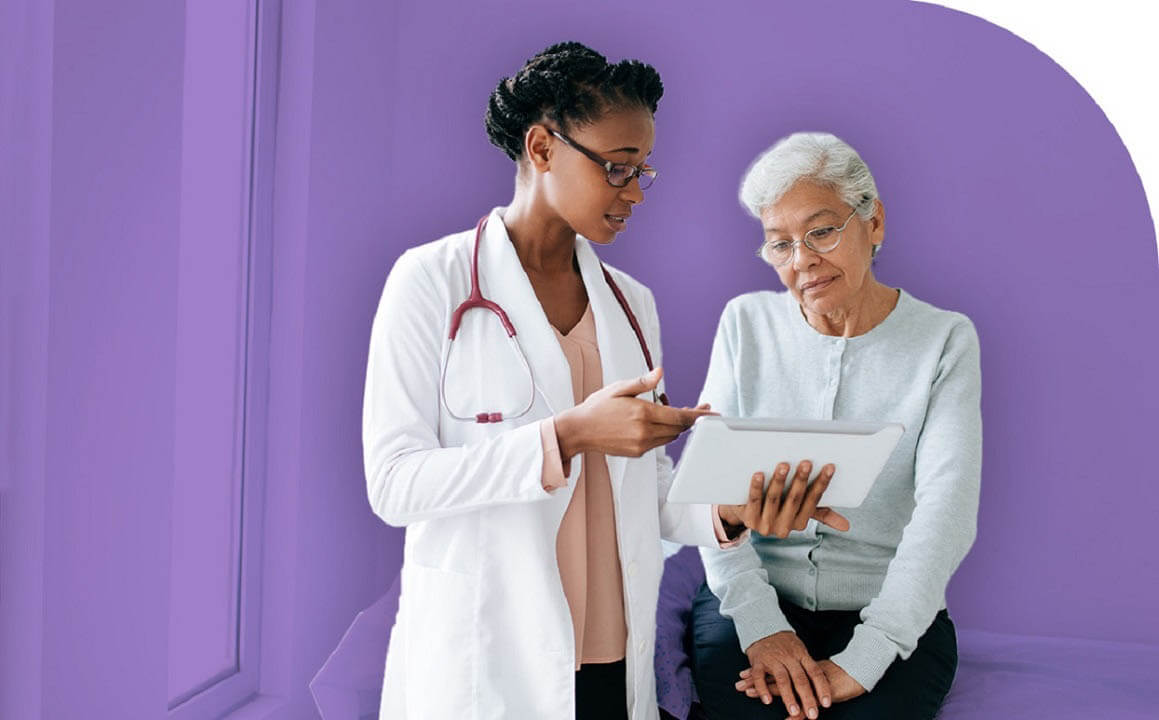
column 569, row 84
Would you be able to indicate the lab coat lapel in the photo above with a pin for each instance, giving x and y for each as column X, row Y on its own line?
column 504, row 281
column 620, row 354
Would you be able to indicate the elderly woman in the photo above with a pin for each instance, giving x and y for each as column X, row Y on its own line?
column 826, row 623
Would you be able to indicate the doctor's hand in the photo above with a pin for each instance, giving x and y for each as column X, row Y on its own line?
column 771, row 511
column 614, row 421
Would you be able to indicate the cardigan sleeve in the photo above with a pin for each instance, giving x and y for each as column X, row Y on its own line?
column 736, row 575
column 947, row 476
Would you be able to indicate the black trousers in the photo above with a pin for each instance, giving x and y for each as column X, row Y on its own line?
column 601, row 691
column 911, row 689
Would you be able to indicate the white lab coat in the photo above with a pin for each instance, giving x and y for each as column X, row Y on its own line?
column 483, row 628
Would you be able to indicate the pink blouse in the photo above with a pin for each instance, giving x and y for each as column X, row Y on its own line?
column 586, row 546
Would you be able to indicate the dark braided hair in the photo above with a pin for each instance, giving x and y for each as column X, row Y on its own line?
column 569, row 84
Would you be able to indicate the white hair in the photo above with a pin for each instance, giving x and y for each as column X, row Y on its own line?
column 822, row 158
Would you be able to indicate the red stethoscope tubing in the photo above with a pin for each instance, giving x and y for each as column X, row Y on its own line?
column 476, row 300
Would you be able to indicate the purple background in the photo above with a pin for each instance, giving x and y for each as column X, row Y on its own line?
column 1008, row 194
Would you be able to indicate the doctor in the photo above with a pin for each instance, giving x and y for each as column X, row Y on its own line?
column 528, row 474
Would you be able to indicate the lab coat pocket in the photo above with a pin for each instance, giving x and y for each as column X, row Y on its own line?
column 442, row 643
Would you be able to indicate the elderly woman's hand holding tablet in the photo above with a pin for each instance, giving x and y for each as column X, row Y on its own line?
column 773, row 511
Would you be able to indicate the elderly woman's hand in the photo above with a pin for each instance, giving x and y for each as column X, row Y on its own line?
column 782, row 657
column 841, row 684
column 768, row 513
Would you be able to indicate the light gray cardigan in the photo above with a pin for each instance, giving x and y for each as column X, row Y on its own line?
column 918, row 367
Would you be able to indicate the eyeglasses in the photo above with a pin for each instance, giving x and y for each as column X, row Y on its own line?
column 819, row 240
column 619, row 174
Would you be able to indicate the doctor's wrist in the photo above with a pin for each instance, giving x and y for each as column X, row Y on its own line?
column 569, row 435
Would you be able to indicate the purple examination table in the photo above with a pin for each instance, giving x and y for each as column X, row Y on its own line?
column 999, row 676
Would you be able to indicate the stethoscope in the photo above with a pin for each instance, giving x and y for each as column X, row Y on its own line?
column 476, row 300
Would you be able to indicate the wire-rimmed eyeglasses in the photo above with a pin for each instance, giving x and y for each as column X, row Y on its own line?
column 819, row 240
column 618, row 174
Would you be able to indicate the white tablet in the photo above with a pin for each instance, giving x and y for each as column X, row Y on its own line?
column 722, row 454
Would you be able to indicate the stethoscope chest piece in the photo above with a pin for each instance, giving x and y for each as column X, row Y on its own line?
column 475, row 300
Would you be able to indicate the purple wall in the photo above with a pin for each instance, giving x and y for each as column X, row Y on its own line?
column 116, row 149
column 345, row 556
column 92, row 202
column 25, row 96
column 1009, row 197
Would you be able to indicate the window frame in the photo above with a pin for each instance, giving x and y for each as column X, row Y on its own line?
column 239, row 693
